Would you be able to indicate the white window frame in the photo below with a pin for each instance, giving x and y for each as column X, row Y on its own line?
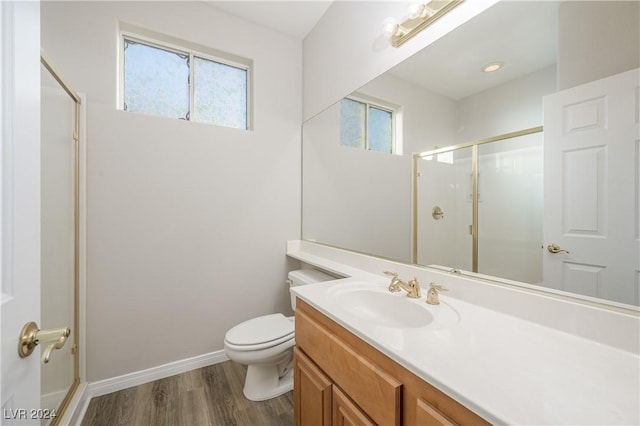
column 191, row 50
column 394, row 109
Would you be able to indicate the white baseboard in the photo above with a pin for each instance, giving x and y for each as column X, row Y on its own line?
column 80, row 402
column 53, row 399
column 136, row 378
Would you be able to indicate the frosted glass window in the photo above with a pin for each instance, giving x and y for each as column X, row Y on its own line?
column 353, row 118
column 380, row 130
column 183, row 83
column 219, row 94
column 156, row 81
column 367, row 126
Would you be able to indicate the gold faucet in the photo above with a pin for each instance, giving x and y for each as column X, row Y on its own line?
column 412, row 287
column 432, row 293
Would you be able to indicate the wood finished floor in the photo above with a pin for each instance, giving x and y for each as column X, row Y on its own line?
column 207, row 396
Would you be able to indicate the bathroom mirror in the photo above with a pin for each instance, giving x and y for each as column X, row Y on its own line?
column 482, row 81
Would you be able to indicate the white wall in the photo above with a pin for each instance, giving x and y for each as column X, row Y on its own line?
column 346, row 48
column 515, row 105
column 187, row 222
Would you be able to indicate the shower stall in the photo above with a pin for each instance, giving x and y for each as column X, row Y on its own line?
column 60, row 238
column 478, row 206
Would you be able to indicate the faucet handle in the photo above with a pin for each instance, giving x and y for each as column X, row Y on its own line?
column 432, row 293
column 437, row 287
column 394, row 286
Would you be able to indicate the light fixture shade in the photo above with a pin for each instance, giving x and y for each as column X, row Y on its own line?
column 390, row 27
column 420, row 15
column 414, row 10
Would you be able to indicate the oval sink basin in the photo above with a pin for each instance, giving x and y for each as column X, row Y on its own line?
column 374, row 304
column 387, row 310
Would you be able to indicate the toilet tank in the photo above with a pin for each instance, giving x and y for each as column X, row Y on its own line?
column 303, row 277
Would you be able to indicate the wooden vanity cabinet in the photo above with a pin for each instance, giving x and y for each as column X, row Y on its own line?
column 341, row 380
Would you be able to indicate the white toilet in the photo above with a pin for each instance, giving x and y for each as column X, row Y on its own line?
column 265, row 345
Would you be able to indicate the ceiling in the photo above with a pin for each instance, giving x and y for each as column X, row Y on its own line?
column 521, row 34
column 294, row 18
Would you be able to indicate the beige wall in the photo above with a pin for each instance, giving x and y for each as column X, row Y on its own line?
column 596, row 39
column 186, row 222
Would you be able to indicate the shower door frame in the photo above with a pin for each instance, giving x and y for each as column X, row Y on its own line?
column 75, row 351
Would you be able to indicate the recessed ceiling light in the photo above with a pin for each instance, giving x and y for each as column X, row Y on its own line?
column 492, row 67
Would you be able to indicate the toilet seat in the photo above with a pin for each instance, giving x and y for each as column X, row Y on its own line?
column 260, row 333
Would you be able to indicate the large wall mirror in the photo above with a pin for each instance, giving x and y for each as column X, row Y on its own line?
column 509, row 149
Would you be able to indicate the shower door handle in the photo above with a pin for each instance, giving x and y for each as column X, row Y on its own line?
column 31, row 336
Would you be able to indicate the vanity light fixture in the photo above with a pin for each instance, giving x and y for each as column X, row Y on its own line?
column 419, row 16
column 492, row 67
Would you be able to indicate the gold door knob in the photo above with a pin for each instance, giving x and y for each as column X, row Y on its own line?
column 31, row 336
column 554, row 248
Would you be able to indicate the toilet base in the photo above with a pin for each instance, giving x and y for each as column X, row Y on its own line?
column 267, row 381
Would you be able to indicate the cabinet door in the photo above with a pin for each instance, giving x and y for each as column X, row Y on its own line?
column 368, row 384
column 346, row 412
column 427, row 415
column 311, row 392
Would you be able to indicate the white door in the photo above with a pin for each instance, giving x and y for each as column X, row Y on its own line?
column 591, row 157
column 20, row 206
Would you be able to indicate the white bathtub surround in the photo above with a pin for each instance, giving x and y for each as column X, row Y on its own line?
column 515, row 356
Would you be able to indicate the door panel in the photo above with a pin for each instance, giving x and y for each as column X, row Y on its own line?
column 20, row 206
column 584, row 202
column 592, row 187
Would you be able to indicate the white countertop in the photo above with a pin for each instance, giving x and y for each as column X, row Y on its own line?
column 506, row 369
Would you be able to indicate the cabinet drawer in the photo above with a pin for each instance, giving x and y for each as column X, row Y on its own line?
column 345, row 412
column 373, row 389
column 427, row 415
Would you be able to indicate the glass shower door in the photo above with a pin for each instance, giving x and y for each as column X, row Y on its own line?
column 444, row 209
column 58, row 233
column 510, row 179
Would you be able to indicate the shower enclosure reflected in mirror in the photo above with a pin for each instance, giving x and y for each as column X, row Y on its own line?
column 362, row 200
column 59, row 232
column 491, row 192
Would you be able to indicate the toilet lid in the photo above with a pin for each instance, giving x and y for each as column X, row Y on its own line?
column 269, row 328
